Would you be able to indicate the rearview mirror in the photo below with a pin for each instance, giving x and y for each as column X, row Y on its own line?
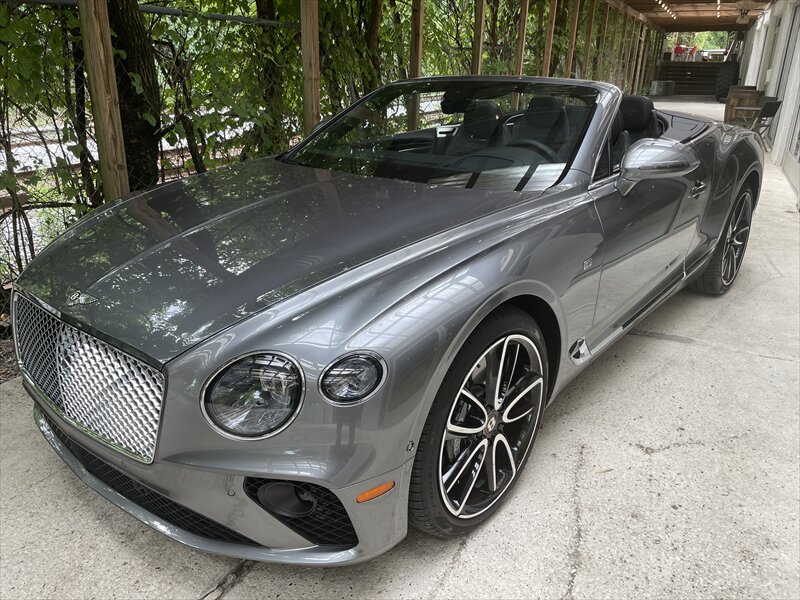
column 654, row 159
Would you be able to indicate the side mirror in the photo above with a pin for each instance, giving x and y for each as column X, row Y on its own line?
column 654, row 159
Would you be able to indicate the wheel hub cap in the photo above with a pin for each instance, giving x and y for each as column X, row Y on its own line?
column 491, row 424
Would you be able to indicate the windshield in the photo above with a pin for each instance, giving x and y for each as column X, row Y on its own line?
column 490, row 134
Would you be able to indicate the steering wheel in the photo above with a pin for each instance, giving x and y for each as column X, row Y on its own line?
column 538, row 147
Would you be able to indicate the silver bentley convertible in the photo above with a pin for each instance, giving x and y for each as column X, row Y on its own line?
column 293, row 359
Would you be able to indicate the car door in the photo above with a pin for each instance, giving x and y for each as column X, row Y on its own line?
column 646, row 238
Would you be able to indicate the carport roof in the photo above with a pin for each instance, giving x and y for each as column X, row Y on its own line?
column 691, row 15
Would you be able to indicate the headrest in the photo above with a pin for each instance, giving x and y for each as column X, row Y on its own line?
column 454, row 102
column 637, row 112
column 544, row 103
column 617, row 127
column 481, row 120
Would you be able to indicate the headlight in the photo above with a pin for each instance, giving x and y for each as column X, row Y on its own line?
column 352, row 379
column 254, row 397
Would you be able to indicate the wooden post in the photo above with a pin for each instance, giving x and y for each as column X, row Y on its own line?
column 634, row 57
column 608, row 43
column 309, row 48
column 655, row 56
column 600, row 57
column 523, row 31
column 415, row 68
column 573, row 32
column 619, row 70
column 520, row 55
column 637, row 75
column 548, row 42
column 626, row 59
column 648, row 60
column 99, row 59
column 477, row 39
column 586, row 66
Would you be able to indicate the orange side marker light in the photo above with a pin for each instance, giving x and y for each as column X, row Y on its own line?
column 375, row 492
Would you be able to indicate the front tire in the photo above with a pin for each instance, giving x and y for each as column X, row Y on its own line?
column 481, row 427
column 721, row 272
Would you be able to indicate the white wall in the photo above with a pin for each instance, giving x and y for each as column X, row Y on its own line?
column 756, row 71
column 756, row 38
column 791, row 103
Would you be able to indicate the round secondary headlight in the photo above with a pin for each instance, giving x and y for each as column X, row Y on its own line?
column 352, row 378
column 255, row 397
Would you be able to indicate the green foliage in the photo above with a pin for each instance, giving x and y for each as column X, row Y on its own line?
column 704, row 40
column 231, row 90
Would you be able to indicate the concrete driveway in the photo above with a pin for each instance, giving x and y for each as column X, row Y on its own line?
column 671, row 468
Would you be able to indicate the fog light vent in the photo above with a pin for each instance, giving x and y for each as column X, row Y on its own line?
column 286, row 499
column 308, row 509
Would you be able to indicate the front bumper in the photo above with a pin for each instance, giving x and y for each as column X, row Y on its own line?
column 179, row 493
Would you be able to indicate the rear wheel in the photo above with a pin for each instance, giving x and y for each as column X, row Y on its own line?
column 729, row 255
column 481, row 427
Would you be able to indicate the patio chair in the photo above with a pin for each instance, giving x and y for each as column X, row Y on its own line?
column 763, row 118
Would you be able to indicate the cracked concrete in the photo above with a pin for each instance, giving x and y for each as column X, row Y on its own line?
column 668, row 469
column 229, row 581
column 575, row 552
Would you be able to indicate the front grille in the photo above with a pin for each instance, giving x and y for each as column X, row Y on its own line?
column 100, row 389
column 327, row 525
column 148, row 499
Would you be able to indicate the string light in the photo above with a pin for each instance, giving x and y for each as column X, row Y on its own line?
column 667, row 9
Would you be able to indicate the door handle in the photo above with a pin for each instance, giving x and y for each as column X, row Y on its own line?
column 698, row 189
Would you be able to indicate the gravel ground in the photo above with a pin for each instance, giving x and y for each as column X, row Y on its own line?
column 8, row 361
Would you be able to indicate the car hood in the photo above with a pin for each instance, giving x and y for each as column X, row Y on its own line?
column 166, row 269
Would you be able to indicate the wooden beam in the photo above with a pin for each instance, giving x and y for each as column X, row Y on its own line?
column 586, row 66
column 573, row 32
column 309, row 49
column 99, row 62
column 600, row 56
column 621, row 6
column 477, row 39
column 548, row 42
column 415, row 67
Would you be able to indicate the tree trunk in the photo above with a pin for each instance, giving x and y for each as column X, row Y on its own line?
column 139, row 98
column 269, row 136
column 401, row 58
column 79, row 123
column 373, row 31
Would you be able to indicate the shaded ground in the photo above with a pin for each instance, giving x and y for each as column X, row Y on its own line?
column 8, row 361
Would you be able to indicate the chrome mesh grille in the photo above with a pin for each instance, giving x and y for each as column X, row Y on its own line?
column 105, row 392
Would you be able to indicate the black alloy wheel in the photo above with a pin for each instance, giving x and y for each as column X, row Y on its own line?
column 482, row 426
column 727, row 260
